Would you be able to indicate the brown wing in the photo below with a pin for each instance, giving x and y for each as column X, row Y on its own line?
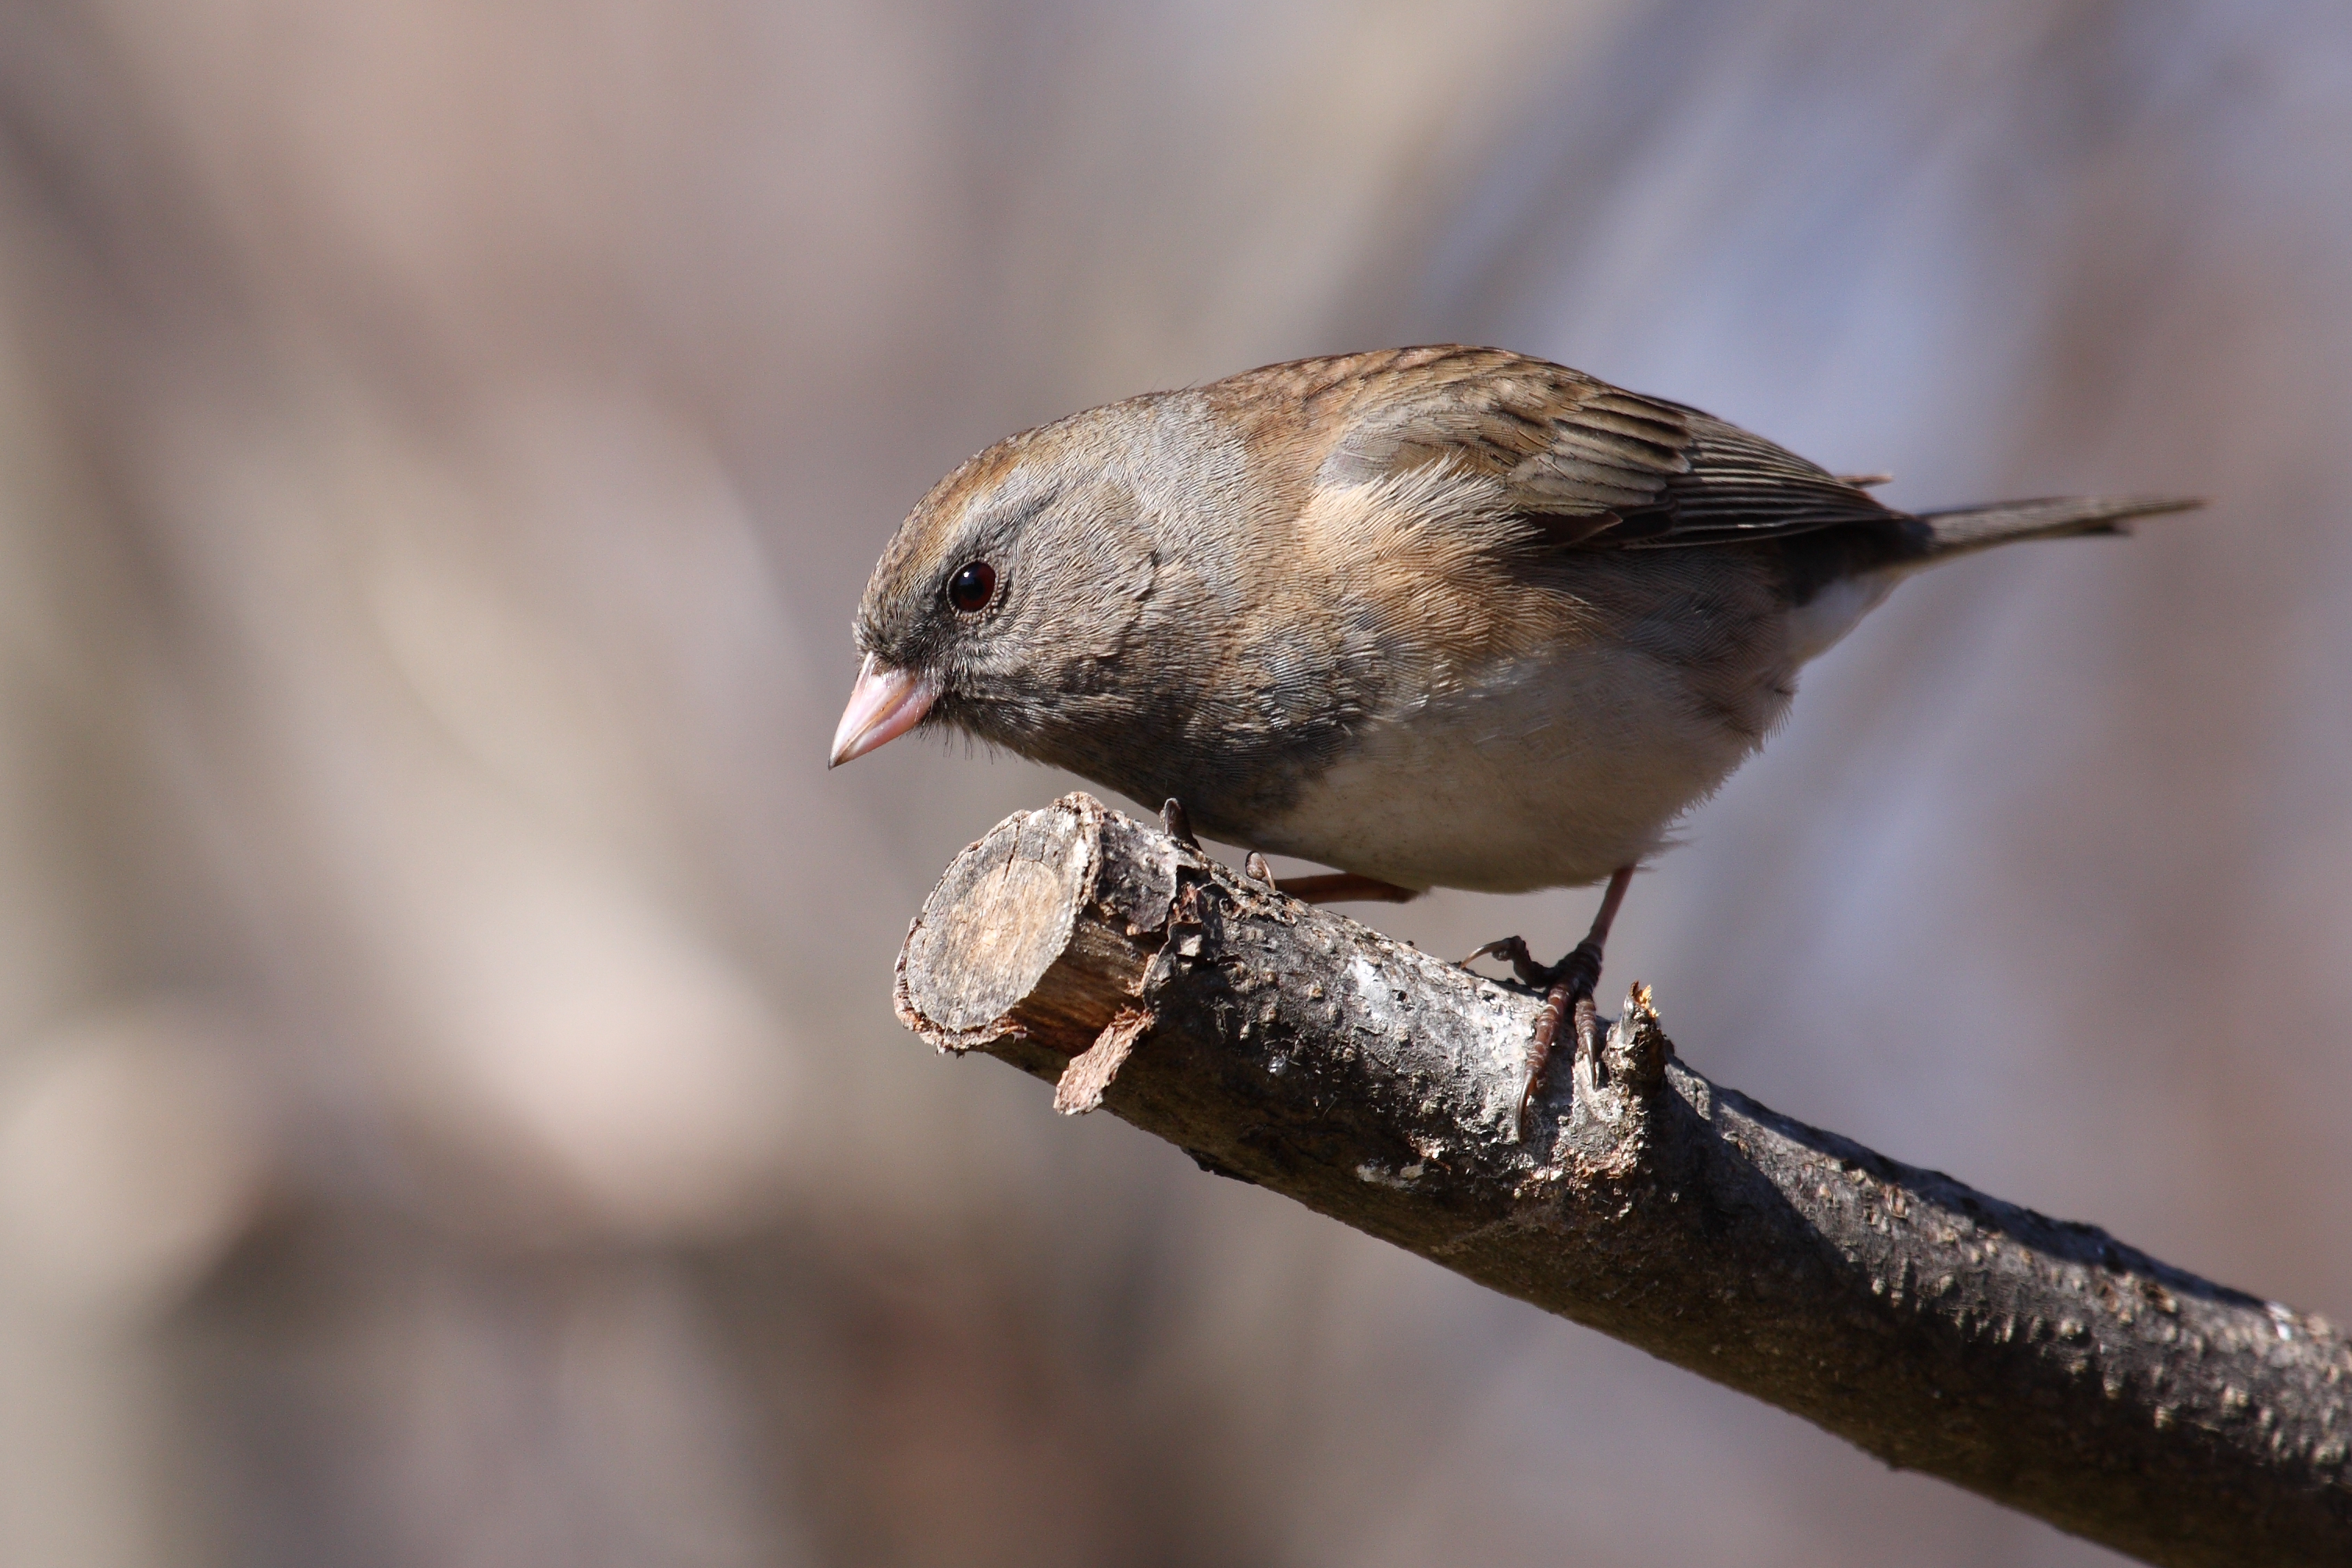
column 1600, row 467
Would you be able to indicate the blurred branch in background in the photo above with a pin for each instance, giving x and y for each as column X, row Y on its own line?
column 444, row 1115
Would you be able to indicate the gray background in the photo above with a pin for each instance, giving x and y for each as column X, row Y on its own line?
column 449, row 1107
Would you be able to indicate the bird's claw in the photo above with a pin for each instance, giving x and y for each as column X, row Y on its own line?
column 1513, row 949
column 1568, row 988
column 1178, row 822
column 1579, row 971
column 1570, row 997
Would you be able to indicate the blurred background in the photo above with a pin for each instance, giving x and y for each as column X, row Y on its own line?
column 450, row 1110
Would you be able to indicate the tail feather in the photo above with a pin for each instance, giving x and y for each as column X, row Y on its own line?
column 1970, row 527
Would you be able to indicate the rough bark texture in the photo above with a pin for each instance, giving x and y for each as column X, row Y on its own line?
column 2036, row 1361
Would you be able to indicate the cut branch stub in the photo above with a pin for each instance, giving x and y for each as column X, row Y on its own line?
column 2038, row 1361
column 1000, row 957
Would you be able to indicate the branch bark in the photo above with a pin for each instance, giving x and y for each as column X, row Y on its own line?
column 2035, row 1361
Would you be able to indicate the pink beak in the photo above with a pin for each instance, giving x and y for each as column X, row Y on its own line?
column 884, row 705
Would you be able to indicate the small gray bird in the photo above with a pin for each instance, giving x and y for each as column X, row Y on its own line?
column 1437, row 616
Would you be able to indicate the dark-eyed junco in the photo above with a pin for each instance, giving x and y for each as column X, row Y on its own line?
column 1437, row 617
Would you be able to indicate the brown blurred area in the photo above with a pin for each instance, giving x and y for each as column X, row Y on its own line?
column 450, row 1111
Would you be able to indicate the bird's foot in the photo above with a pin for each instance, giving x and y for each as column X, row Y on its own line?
column 1569, row 996
column 1568, row 988
column 1583, row 961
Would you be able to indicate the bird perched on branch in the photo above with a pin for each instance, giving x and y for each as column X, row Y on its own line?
column 1437, row 616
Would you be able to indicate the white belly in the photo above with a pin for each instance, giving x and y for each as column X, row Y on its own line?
column 1555, row 774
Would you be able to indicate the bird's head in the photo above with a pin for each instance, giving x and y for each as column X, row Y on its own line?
column 1008, row 604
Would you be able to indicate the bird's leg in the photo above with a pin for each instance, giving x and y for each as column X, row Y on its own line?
column 1337, row 888
column 1346, row 887
column 1568, row 986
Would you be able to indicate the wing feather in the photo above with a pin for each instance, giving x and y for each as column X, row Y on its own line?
column 1596, row 466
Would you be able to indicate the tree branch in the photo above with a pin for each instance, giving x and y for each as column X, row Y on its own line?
column 2035, row 1361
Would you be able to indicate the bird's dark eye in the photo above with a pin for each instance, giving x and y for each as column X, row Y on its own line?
column 972, row 587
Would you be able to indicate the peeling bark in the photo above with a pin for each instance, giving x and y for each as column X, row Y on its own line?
column 2035, row 1361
